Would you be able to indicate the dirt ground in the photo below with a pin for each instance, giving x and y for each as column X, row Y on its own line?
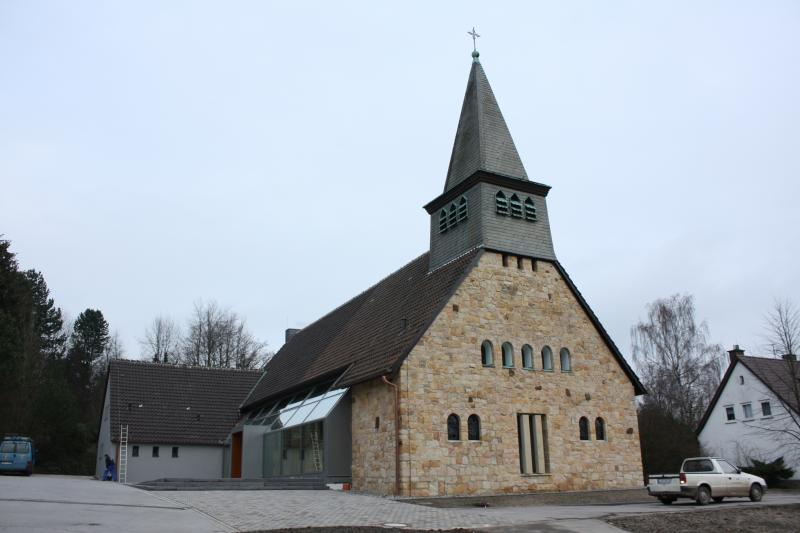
column 540, row 498
column 771, row 519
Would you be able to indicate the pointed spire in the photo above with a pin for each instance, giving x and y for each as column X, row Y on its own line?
column 483, row 141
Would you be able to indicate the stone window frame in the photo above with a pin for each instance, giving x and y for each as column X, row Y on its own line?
column 600, row 429
column 473, row 419
column 561, row 357
column 484, row 344
column 527, row 353
column 583, row 429
column 507, row 349
column 457, row 419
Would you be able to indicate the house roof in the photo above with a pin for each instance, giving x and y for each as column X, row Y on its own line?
column 482, row 141
column 368, row 336
column 163, row 403
column 771, row 372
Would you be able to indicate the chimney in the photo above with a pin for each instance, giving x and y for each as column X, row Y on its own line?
column 735, row 353
column 291, row 332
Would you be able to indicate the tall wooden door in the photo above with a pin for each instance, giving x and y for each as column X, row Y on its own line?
column 236, row 455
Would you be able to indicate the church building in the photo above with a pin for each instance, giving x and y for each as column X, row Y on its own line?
column 477, row 368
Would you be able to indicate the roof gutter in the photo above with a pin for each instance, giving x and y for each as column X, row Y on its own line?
column 396, row 434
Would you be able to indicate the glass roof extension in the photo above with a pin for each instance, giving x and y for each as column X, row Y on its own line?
column 308, row 405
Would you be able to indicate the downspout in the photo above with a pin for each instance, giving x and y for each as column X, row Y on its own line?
column 396, row 435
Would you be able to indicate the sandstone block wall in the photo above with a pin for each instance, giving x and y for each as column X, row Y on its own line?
column 443, row 375
column 373, row 468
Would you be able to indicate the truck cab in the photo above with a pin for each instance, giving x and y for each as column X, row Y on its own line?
column 17, row 455
column 706, row 479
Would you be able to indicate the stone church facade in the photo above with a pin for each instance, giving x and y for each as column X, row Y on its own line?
column 478, row 368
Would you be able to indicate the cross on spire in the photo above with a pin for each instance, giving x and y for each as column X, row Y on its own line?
column 474, row 37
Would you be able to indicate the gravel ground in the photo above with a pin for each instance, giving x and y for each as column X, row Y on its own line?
column 359, row 529
column 772, row 519
column 541, row 498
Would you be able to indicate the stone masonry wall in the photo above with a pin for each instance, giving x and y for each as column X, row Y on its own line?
column 373, row 468
column 443, row 375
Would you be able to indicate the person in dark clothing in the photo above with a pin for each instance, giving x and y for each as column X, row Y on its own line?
column 110, row 474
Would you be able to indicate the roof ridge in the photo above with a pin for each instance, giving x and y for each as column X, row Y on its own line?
column 144, row 362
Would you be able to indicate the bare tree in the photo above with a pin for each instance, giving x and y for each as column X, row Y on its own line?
column 679, row 367
column 218, row 337
column 162, row 340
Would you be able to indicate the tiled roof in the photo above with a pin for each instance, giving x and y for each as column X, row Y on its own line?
column 482, row 141
column 176, row 404
column 368, row 336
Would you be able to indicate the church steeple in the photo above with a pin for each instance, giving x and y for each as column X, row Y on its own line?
column 483, row 141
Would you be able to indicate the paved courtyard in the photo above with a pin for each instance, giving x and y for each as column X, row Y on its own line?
column 75, row 504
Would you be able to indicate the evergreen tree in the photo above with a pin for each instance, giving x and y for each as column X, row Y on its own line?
column 88, row 344
column 48, row 320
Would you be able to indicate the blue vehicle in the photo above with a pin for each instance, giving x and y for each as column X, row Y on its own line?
column 17, row 455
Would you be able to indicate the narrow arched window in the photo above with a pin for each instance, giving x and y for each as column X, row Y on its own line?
column 442, row 221
column 566, row 363
column 527, row 357
column 473, row 427
column 547, row 358
column 599, row 429
column 487, row 354
column 508, row 355
column 462, row 209
column 501, row 203
column 451, row 216
column 453, row 427
column 530, row 210
column 516, row 206
column 583, row 426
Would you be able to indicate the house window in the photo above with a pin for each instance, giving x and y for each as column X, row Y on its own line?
column 516, row 206
column 566, row 364
column 453, row 427
column 599, row 429
column 741, row 380
column 473, row 427
column 534, row 457
column 501, row 203
column 487, row 355
column 527, row 357
column 583, row 427
column 508, row 355
column 729, row 413
column 462, row 209
column 443, row 221
column 135, row 451
column 155, row 451
column 748, row 410
column 174, row 451
column 547, row 358
column 766, row 409
column 530, row 210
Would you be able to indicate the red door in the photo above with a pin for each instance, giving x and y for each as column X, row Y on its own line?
column 236, row 455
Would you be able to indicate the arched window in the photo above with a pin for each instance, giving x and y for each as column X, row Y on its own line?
column 487, row 354
column 508, row 355
column 462, row 209
column 599, row 429
column 583, row 426
column 547, row 358
column 451, row 216
column 501, row 203
column 473, row 427
column 566, row 364
column 516, row 206
column 527, row 357
column 530, row 210
column 453, row 427
column 442, row 220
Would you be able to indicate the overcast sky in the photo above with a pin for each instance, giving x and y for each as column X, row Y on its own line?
column 276, row 157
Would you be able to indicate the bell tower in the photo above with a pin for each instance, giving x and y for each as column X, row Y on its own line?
column 488, row 200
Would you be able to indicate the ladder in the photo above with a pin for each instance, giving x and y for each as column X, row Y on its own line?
column 122, row 468
column 316, row 453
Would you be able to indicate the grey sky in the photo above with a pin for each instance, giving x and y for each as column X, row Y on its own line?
column 276, row 157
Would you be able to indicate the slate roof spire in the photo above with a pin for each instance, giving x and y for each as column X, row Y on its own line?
column 483, row 141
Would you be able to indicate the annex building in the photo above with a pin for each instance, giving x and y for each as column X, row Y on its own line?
column 477, row 368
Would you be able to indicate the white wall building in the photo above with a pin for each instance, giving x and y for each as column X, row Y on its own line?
column 177, row 418
column 753, row 406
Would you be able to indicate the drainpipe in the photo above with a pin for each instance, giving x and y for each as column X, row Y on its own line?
column 396, row 435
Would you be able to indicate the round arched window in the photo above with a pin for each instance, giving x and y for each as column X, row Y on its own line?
column 453, row 427
column 527, row 357
column 508, row 355
column 583, row 427
column 566, row 363
column 487, row 354
column 547, row 358
column 473, row 427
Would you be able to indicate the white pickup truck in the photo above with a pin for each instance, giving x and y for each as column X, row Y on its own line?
column 704, row 479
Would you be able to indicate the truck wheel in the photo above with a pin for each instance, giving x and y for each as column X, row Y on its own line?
column 756, row 492
column 666, row 501
column 718, row 499
column 703, row 496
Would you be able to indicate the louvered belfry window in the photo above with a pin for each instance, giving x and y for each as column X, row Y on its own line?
column 530, row 210
column 501, row 203
column 462, row 209
column 516, row 206
column 443, row 221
